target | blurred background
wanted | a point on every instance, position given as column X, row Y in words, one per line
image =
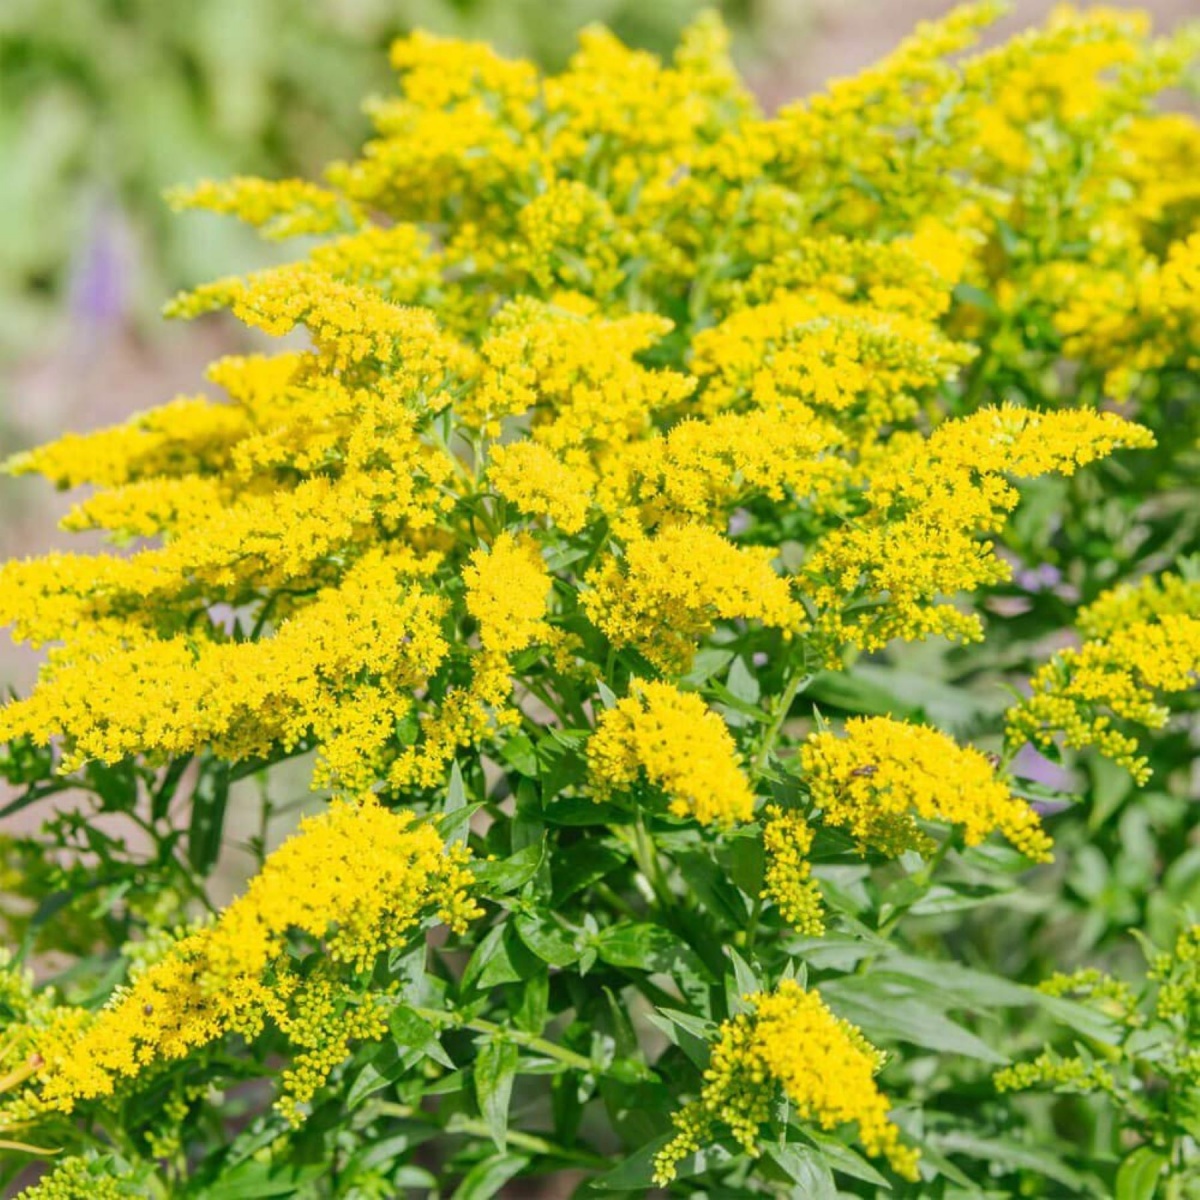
column 104, row 103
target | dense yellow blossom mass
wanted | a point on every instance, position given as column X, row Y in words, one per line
column 884, row 774
column 670, row 589
column 506, row 593
column 679, row 745
column 788, row 1040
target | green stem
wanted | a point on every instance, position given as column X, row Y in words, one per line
column 647, row 858
column 783, row 705
column 605, row 892
column 529, row 1040
column 752, row 928
column 530, row 1142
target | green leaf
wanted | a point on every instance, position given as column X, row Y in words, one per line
column 637, row 1171
column 851, row 693
column 518, row 752
column 486, row 1178
column 509, row 874
column 638, row 944
column 386, row 1063
column 742, row 682
column 584, row 863
column 1138, row 1176
column 745, row 980
column 416, row 1033
column 707, row 662
column 499, row 958
column 693, row 1035
column 495, row 1068
column 844, row 1159
column 455, row 827
column 808, row 1168
column 252, row 1180
column 581, row 810
column 549, row 941
column 1010, row 1155
column 742, row 708
column 957, row 984
column 530, row 1014
column 747, row 863
column 886, row 1012
column 712, row 887
column 456, row 792
column 634, row 1172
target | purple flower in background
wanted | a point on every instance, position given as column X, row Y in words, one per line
column 1031, row 764
column 1038, row 579
column 102, row 275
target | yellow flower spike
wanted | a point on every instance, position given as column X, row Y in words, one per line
column 576, row 375
column 507, row 590
column 930, row 501
column 883, row 774
column 351, row 325
column 106, row 697
column 186, row 435
column 679, row 745
column 809, row 349
column 788, row 882
column 1143, row 644
column 538, row 482
column 280, row 208
column 790, row 1041
column 368, row 874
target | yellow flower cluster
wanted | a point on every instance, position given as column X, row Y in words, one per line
column 884, row 774
column 787, row 881
column 670, row 589
column 609, row 367
column 1161, row 1012
column 1143, row 640
column 74, row 1179
column 280, row 209
column 358, row 876
column 1178, row 977
column 928, row 502
column 805, row 350
column 679, row 746
column 788, row 1039
column 506, row 593
column 321, row 1021
column 341, row 669
column 1049, row 1070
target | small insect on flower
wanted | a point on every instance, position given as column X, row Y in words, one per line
column 865, row 771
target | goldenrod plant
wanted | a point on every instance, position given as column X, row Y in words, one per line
column 631, row 545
